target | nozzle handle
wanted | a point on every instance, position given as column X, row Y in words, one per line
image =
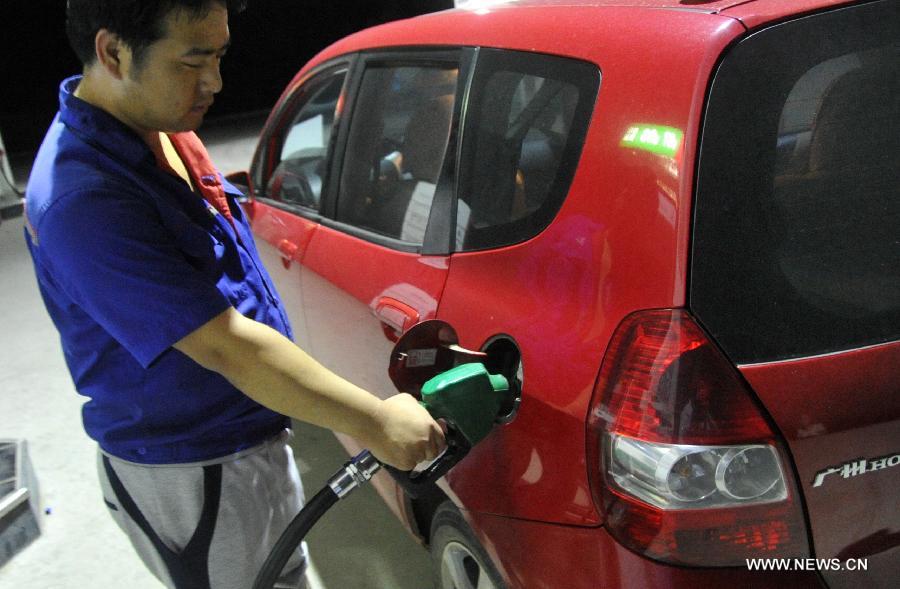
column 414, row 482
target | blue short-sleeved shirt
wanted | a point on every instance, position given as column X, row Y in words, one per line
column 129, row 260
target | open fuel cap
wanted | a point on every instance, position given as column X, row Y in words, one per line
column 424, row 351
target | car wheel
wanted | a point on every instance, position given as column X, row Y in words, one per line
column 458, row 559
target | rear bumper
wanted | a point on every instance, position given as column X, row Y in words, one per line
column 539, row 555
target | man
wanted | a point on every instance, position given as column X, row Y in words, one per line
column 168, row 321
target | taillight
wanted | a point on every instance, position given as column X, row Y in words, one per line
column 682, row 460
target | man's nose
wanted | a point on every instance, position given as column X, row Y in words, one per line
column 212, row 78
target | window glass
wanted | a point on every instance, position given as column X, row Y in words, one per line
column 395, row 150
column 797, row 230
column 529, row 116
column 299, row 172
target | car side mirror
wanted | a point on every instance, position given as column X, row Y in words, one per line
column 241, row 181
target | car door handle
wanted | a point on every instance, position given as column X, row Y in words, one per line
column 395, row 316
column 288, row 251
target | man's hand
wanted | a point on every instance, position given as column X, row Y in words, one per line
column 406, row 434
column 270, row 369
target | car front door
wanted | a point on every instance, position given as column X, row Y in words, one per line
column 377, row 263
column 290, row 177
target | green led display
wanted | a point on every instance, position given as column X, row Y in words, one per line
column 653, row 138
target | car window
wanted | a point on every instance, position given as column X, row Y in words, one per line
column 797, row 232
column 298, row 162
column 396, row 148
column 528, row 118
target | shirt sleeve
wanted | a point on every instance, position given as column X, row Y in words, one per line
column 110, row 253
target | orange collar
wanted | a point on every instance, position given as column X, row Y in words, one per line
column 201, row 170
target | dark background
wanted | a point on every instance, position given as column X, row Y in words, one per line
column 272, row 39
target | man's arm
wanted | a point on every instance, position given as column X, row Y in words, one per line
column 273, row 371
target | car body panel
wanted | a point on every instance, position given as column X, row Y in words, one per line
column 282, row 239
column 837, row 410
column 586, row 272
column 353, row 291
column 709, row 6
column 828, row 377
column 671, row 95
column 589, row 33
column 760, row 12
column 607, row 260
column 620, row 243
column 540, row 555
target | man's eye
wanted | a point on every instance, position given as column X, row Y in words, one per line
column 192, row 65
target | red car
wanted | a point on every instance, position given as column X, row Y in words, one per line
column 674, row 225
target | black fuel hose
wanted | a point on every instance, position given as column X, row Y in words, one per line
column 9, row 181
column 11, row 184
column 292, row 537
column 356, row 472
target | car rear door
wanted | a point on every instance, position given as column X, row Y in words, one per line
column 525, row 278
column 796, row 264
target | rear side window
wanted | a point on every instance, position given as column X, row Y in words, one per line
column 796, row 247
column 527, row 118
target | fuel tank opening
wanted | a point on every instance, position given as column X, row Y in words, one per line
column 504, row 357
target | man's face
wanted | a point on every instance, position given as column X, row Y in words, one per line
column 173, row 86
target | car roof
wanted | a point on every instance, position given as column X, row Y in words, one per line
column 750, row 12
column 516, row 23
column 707, row 6
column 699, row 5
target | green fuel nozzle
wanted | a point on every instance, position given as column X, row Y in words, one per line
column 470, row 400
column 468, row 397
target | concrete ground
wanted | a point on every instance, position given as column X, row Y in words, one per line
column 357, row 545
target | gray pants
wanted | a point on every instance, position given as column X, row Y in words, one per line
column 208, row 524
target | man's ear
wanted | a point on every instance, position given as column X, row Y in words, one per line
column 111, row 53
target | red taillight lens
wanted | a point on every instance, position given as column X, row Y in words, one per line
column 682, row 460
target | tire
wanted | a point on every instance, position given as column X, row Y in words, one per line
column 458, row 560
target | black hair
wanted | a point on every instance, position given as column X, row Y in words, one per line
column 139, row 23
